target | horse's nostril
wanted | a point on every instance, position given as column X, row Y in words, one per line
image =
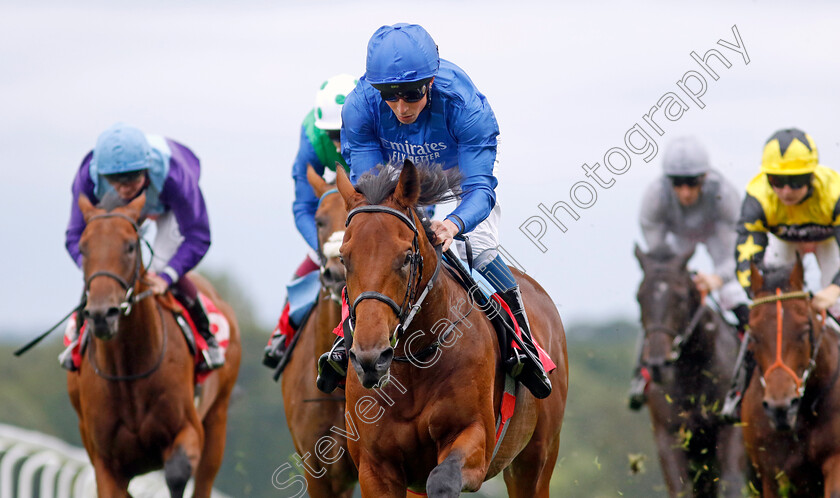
column 86, row 313
column 112, row 312
column 765, row 405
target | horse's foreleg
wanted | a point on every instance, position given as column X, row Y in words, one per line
column 376, row 479
column 461, row 466
column 107, row 484
column 215, row 424
column 733, row 461
column 181, row 459
column 529, row 475
column 831, row 476
column 673, row 461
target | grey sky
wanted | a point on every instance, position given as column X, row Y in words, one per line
column 233, row 80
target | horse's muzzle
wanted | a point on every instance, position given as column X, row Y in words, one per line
column 371, row 366
column 782, row 414
column 103, row 321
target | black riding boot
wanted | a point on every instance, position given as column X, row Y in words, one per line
column 744, row 365
column 636, row 398
column 332, row 367
column 521, row 367
column 276, row 349
column 213, row 357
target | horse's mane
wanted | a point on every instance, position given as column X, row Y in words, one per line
column 437, row 185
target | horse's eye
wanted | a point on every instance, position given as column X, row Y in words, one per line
column 407, row 260
column 319, row 223
column 130, row 247
column 341, row 258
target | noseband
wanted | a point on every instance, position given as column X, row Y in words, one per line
column 405, row 312
column 130, row 298
column 680, row 339
column 815, row 345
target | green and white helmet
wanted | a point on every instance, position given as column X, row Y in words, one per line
column 329, row 100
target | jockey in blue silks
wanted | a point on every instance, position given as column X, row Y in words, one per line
column 412, row 105
column 127, row 162
column 319, row 147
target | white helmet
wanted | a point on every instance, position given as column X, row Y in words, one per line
column 685, row 156
column 329, row 100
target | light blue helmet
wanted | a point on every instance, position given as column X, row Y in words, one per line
column 121, row 149
column 402, row 53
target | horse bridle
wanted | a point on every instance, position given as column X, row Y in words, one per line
column 680, row 338
column 127, row 304
column 335, row 297
column 815, row 344
column 130, row 298
column 405, row 312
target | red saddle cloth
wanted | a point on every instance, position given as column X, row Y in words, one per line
column 219, row 327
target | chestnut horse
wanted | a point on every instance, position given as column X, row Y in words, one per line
column 430, row 424
column 311, row 414
column 791, row 409
column 134, row 392
column 689, row 351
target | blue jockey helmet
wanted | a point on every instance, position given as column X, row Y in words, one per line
column 121, row 149
column 402, row 53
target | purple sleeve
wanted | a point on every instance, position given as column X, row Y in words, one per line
column 183, row 197
column 82, row 184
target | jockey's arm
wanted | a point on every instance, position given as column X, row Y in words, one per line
column 476, row 131
column 305, row 203
column 654, row 214
column 183, row 196
column 751, row 240
column 82, row 184
column 826, row 297
column 359, row 143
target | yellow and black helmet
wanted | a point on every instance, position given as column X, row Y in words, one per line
column 789, row 152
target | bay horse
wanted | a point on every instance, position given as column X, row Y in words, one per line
column 791, row 408
column 311, row 414
column 430, row 424
column 689, row 352
column 134, row 391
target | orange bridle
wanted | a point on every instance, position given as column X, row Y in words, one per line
column 779, row 363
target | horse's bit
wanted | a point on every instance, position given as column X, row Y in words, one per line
column 405, row 312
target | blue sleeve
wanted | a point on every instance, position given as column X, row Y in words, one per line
column 183, row 196
column 305, row 203
column 475, row 128
column 82, row 184
column 359, row 144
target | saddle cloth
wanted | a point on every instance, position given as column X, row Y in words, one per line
column 219, row 327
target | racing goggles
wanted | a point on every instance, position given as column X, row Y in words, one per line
column 412, row 95
column 126, row 178
column 688, row 181
column 792, row 181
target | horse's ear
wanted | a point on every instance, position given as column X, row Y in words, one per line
column 797, row 276
column 683, row 259
column 319, row 186
column 756, row 279
column 86, row 206
column 135, row 207
column 408, row 188
column 640, row 255
column 348, row 192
